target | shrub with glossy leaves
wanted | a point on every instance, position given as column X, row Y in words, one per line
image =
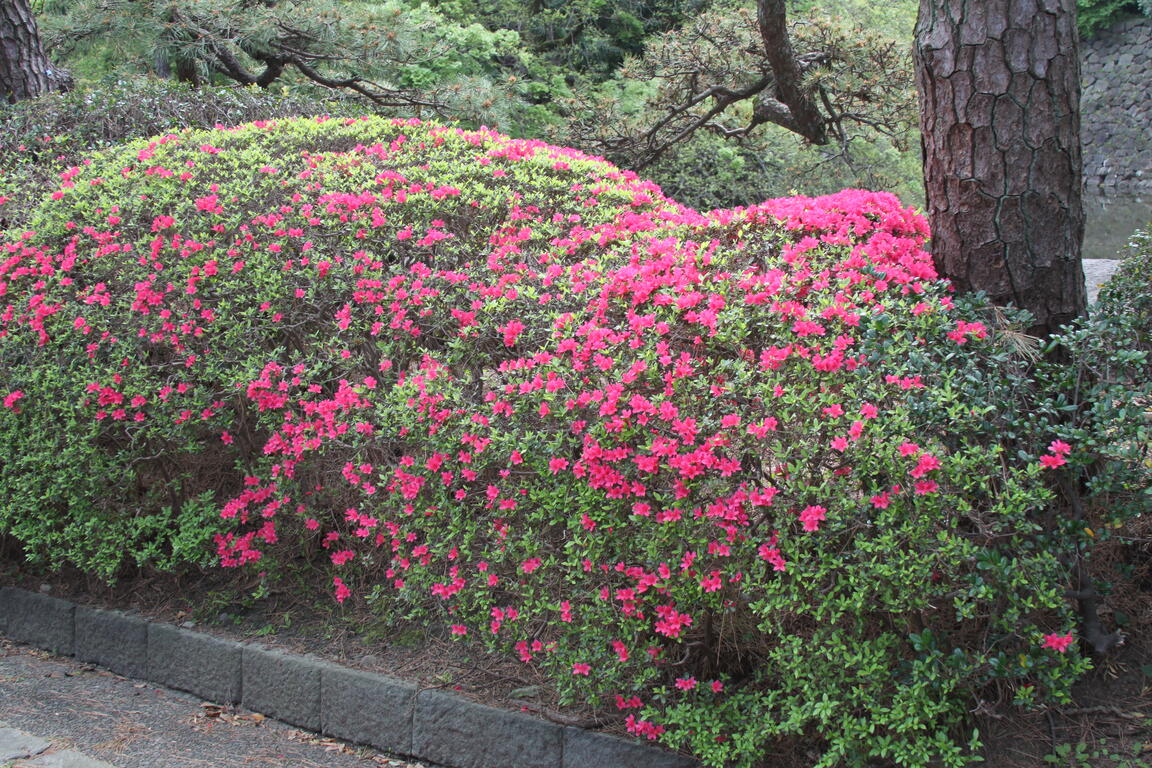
column 739, row 475
column 1129, row 293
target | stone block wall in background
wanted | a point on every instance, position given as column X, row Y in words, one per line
column 1116, row 108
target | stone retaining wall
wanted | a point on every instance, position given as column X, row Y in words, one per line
column 1116, row 107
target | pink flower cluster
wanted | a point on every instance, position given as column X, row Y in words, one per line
column 1058, row 451
column 551, row 403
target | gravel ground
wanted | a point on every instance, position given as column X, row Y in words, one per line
column 132, row 724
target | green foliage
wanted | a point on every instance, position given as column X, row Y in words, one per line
column 1095, row 15
column 697, row 79
column 1099, row 754
column 1128, row 294
column 894, row 19
column 392, row 53
column 751, row 472
column 114, row 111
column 41, row 138
column 586, row 38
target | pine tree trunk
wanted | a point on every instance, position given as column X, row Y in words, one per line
column 999, row 86
column 25, row 71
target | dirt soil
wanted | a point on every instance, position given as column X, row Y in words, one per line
column 1109, row 724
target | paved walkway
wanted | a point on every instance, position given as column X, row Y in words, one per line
column 59, row 713
column 21, row 749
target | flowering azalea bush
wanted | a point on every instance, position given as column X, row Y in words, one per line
column 729, row 474
column 39, row 138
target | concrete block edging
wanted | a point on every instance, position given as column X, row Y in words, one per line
column 376, row 710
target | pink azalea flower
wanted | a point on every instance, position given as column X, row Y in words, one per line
column 812, row 516
column 511, row 331
column 342, row 591
column 1058, row 643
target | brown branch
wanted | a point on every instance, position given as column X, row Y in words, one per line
column 230, row 65
column 273, row 67
column 767, row 110
column 804, row 116
column 382, row 96
column 725, row 97
column 1085, row 594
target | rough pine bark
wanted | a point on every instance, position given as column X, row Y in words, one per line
column 999, row 86
column 25, row 71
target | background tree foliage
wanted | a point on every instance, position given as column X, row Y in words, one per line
column 612, row 78
column 1094, row 15
column 391, row 54
column 650, row 85
column 588, row 38
column 711, row 76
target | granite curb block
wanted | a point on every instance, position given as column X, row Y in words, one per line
column 584, row 749
column 454, row 731
column 367, row 708
column 113, row 640
column 46, row 622
column 190, row 661
column 385, row 713
column 282, row 685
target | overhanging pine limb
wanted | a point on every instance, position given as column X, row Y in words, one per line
column 724, row 97
column 367, row 89
column 767, row 110
column 273, row 67
column 228, row 65
column 272, row 70
column 224, row 60
column 231, row 66
column 805, row 117
column 835, row 120
column 654, row 153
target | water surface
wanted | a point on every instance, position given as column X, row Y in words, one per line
column 1110, row 220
